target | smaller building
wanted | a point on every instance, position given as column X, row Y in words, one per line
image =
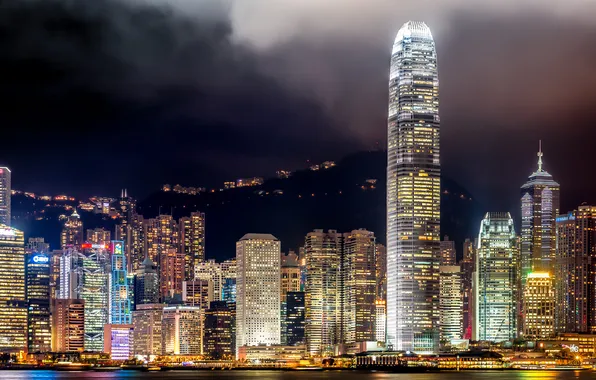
column 381, row 320
column 182, row 330
column 118, row 341
column 68, row 325
column 147, row 329
column 270, row 353
column 217, row 343
column 539, row 306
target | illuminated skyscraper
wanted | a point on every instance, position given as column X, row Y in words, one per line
column 381, row 272
column 539, row 209
column 497, row 291
column 171, row 273
column 147, row 329
column 295, row 318
column 197, row 293
column 120, row 311
column 322, row 251
column 72, row 232
column 575, row 293
column 258, row 259
column 468, row 265
column 68, row 325
column 37, row 274
column 358, row 287
column 160, row 236
column 539, row 306
column 290, row 282
column 451, row 303
column 5, row 194
column 413, row 192
column 381, row 320
column 192, row 242
column 13, row 305
column 146, row 284
column 98, row 236
column 217, row 343
column 182, row 330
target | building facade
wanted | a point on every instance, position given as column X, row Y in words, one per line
column 496, row 277
column 13, row 304
column 413, row 192
column 146, row 284
column 68, row 325
column 192, row 242
column 147, row 329
column 39, row 325
column 295, row 318
column 448, row 252
column 258, row 260
column 539, row 306
column 450, row 303
column 120, row 308
column 322, row 251
column 182, row 330
column 5, row 195
column 118, row 341
column 217, row 343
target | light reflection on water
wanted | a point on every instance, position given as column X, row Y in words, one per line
column 294, row 375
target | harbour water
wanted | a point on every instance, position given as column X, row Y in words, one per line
column 296, row 375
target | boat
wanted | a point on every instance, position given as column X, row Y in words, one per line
column 153, row 368
column 308, row 368
column 106, row 368
column 568, row 368
column 68, row 366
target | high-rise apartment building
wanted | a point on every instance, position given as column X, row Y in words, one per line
column 146, row 284
column 72, row 232
column 539, row 209
column 120, row 310
column 358, row 287
column 132, row 232
column 539, row 306
column 322, row 252
column 413, row 192
column 171, row 273
column 258, row 260
column 448, row 252
column 5, row 195
column 68, row 325
column 496, row 276
column 147, row 329
column 161, row 235
column 99, row 236
column 192, row 242
column 13, row 304
column 574, row 271
column 39, row 325
column 450, row 303
column 182, row 330
column 217, row 343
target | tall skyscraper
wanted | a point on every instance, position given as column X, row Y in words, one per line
column 451, row 303
column 68, row 325
column 5, row 194
column 413, row 192
column 192, row 242
column 290, row 282
column 575, row 293
column 381, row 269
column 13, row 305
column 146, row 284
column 217, row 343
column 358, row 287
column 539, row 209
column 322, row 251
column 258, row 259
column 147, row 329
column 39, row 326
column 171, row 273
column 295, row 318
column 468, row 265
column 497, row 289
column 72, row 232
column 539, row 306
column 121, row 310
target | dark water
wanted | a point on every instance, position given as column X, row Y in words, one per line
column 293, row 375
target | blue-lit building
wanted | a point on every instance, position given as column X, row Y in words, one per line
column 37, row 288
column 120, row 310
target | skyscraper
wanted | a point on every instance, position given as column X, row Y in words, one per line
column 182, row 330
column 290, row 282
column 322, row 251
column 381, row 272
column 468, row 265
column 171, row 273
column 451, row 303
column 146, row 284
column 497, row 289
column 413, row 192
column 192, row 242
column 539, row 209
column 37, row 275
column 447, row 252
column 147, row 329
column 68, row 325
column 120, row 311
column 72, row 232
column 539, row 306
column 217, row 343
column 5, row 194
column 13, row 305
column 295, row 318
column 98, row 236
column 258, row 259
column 358, row 287
column 575, row 293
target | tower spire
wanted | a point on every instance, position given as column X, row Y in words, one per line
column 540, row 155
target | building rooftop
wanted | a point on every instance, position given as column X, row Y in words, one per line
column 259, row 237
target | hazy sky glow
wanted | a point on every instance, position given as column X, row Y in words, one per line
column 185, row 84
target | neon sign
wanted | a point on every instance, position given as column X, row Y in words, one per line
column 41, row 259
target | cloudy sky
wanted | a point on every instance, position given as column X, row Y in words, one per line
column 99, row 95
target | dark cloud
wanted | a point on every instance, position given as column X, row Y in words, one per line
column 132, row 94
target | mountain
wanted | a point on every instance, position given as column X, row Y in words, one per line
column 337, row 198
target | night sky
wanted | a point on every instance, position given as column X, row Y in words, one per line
column 102, row 95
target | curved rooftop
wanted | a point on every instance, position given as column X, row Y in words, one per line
column 416, row 29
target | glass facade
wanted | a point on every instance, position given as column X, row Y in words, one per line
column 13, row 305
column 192, row 242
column 295, row 318
column 497, row 292
column 539, row 306
column 451, row 303
column 38, row 301
column 217, row 343
column 120, row 311
column 413, row 192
